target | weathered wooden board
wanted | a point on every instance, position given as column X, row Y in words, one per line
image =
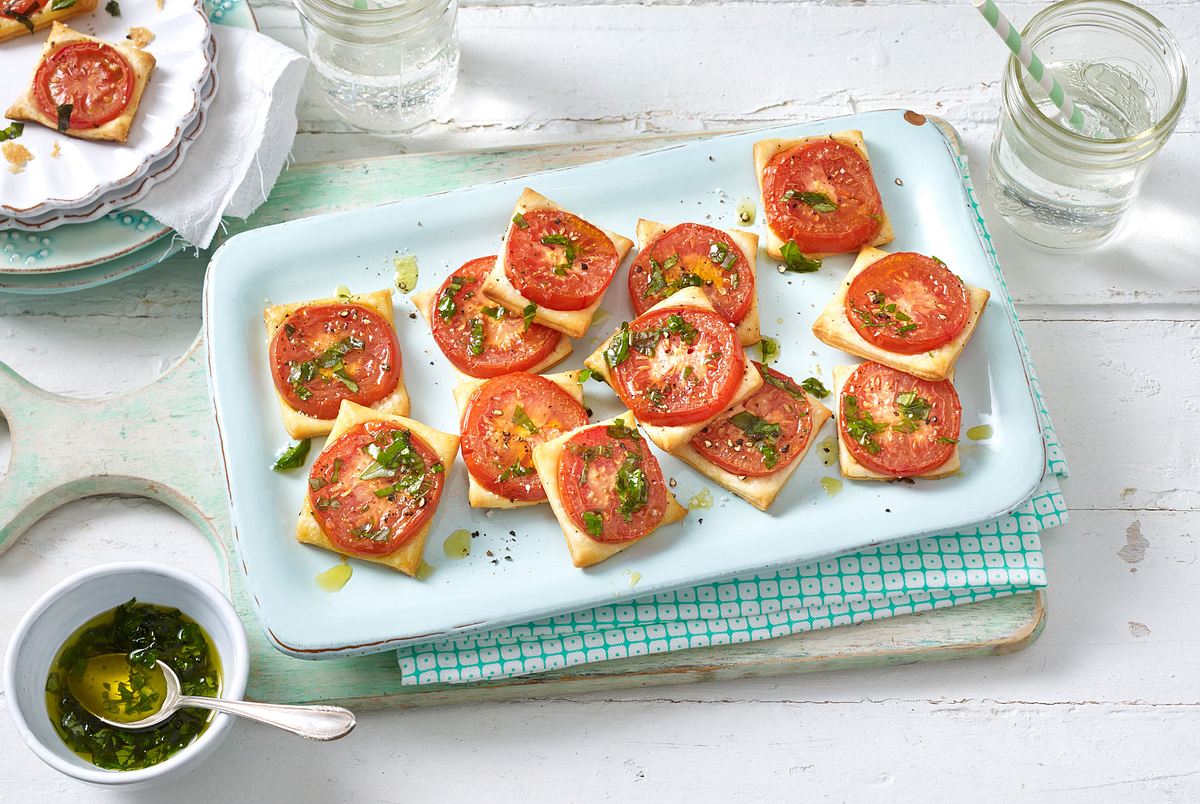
column 160, row 442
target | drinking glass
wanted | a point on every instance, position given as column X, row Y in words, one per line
column 1066, row 189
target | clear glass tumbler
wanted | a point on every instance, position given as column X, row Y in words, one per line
column 386, row 66
column 1067, row 189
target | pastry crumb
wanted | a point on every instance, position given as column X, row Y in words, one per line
column 140, row 36
column 56, row 151
column 17, row 156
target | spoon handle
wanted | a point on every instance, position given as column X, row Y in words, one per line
column 318, row 722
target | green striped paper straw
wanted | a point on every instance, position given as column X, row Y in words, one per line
column 1030, row 61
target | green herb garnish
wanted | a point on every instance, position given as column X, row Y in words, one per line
column 12, row 131
column 815, row 387
column 475, row 341
column 113, row 8
column 494, row 312
column 721, row 254
column 593, row 523
column 293, row 456
column 518, row 469
column 64, row 116
column 618, row 430
column 520, row 221
column 795, row 261
column 583, row 375
column 632, row 487
column 617, row 351
column 527, row 314
column 21, row 18
column 859, row 424
column 913, row 410
column 768, row 348
column 521, row 419
column 446, row 306
column 818, row 201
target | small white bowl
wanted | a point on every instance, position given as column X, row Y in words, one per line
column 63, row 609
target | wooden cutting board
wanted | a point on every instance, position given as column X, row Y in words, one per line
column 161, row 442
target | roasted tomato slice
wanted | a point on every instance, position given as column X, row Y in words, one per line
column 504, row 420
column 822, row 195
column 558, row 260
column 908, row 303
column 481, row 338
column 764, row 433
column 676, row 365
column 374, row 488
column 324, row 353
column 693, row 255
column 897, row 424
column 611, row 484
column 94, row 78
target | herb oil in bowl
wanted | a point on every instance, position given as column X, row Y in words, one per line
column 110, row 662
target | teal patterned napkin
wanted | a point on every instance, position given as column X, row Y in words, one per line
column 993, row 559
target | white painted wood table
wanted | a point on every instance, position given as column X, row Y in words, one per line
column 1105, row 706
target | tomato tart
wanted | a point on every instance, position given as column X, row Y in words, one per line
column 324, row 351
column 893, row 425
column 605, row 487
column 554, row 265
column 373, row 491
column 676, row 366
column 482, row 338
column 20, row 17
column 904, row 310
column 85, row 87
column 721, row 262
column 819, row 193
column 501, row 421
column 753, row 448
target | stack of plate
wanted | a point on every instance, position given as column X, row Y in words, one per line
column 67, row 221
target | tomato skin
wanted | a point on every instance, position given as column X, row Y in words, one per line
column 305, row 336
column 840, row 172
column 530, row 263
column 730, row 290
column 924, row 291
column 21, row 8
column 340, row 494
column 680, row 382
column 728, row 446
column 92, row 76
column 874, row 389
column 493, row 443
column 508, row 346
column 587, row 477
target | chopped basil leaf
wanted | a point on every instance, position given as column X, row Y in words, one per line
column 341, row 376
column 593, row 523
column 815, row 387
column 446, row 306
column 12, row 131
column 618, row 430
column 818, row 201
column 795, row 261
column 938, row 261
column 520, row 221
column 632, row 486
column 568, row 251
column 656, row 397
column 527, row 314
column 755, row 428
column 494, row 312
column 583, row 375
column 64, row 115
column 292, row 457
column 782, row 383
column 676, row 325
column 394, row 457
column 946, row 440
column 113, row 8
column 336, row 474
column 475, row 340
column 518, row 469
column 913, row 410
column 21, row 18
column 722, row 255
column 859, row 424
column 617, row 351
column 521, row 419
column 688, row 371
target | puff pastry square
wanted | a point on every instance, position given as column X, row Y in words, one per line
column 43, row 17
column 572, row 323
column 301, row 425
column 832, row 327
column 671, row 438
column 748, row 329
column 25, row 107
column 408, row 558
column 758, row 491
column 477, row 495
column 764, row 150
column 586, row 551
column 854, row 470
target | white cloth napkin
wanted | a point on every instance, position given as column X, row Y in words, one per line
column 251, row 123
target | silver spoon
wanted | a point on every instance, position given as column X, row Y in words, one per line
column 317, row 722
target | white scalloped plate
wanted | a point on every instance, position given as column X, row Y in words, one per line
column 85, row 170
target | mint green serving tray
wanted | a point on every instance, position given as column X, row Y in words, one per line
column 175, row 459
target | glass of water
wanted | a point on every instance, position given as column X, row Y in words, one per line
column 1067, row 189
column 386, row 66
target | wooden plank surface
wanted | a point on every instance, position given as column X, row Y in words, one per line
column 1104, row 706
